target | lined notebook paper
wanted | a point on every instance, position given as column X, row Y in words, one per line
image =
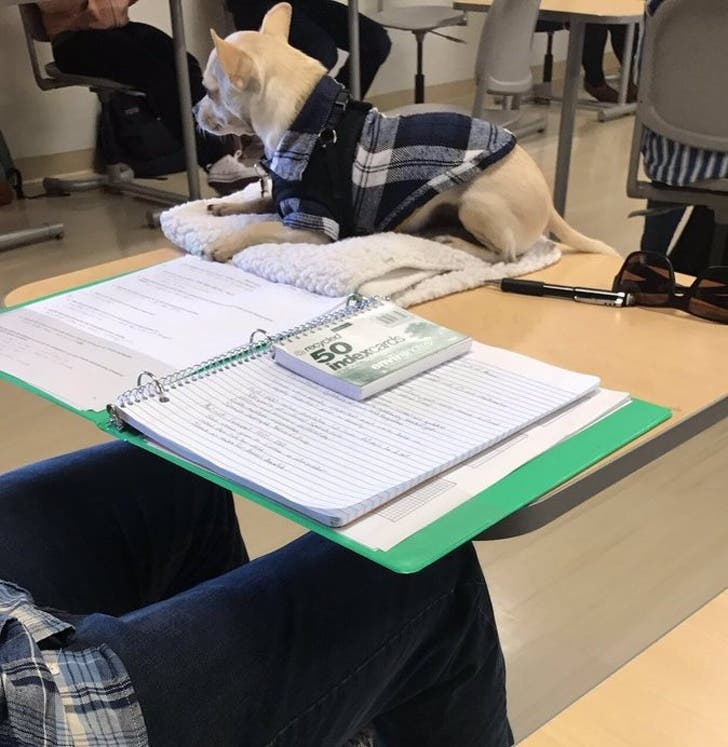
column 335, row 459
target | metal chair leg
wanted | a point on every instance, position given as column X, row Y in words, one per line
column 119, row 179
column 419, row 75
column 542, row 90
column 25, row 236
column 55, row 186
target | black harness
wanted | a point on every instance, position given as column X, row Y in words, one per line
column 327, row 178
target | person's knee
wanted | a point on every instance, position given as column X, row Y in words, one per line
column 311, row 39
column 376, row 45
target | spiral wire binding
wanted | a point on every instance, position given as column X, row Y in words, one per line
column 259, row 345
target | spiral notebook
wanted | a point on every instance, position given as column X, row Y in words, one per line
column 329, row 457
column 69, row 349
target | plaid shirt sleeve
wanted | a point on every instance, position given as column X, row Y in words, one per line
column 58, row 698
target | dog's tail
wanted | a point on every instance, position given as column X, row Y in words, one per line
column 575, row 240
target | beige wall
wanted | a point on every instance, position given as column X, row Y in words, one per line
column 39, row 122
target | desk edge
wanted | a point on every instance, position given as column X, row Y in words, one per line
column 540, row 513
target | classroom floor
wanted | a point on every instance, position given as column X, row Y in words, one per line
column 574, row 600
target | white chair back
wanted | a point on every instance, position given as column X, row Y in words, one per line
column 503, row 63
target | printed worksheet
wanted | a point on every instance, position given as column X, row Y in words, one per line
column 87, row 346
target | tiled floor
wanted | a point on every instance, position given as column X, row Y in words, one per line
column 574, row 600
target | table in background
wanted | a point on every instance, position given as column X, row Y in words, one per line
column 577, row 13
column 660, row 355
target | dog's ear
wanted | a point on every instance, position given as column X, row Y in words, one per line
column 236, row 64
column 277, row 21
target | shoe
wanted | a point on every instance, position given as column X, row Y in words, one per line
column 230, row 174
column 603, row 92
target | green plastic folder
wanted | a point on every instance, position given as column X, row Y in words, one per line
column 521, row 487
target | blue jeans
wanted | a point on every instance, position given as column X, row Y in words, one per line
column 660, row 227
column 304, row 646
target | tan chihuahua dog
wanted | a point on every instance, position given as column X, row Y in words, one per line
column 257, row 83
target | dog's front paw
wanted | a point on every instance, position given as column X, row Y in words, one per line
column 225, row 253
column 225, row 208
column 226, row 248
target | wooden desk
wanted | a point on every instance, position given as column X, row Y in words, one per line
column 577, row 13
column 663, row 356
column 671, row 694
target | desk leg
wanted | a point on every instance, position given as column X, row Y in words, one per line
column 627, row 63
column 185, row 98
column 354, row 58
column 622, row 108
column 568, row 112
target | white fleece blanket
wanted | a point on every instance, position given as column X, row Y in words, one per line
column 409, row 269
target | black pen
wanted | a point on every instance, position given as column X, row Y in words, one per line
column 583, row 295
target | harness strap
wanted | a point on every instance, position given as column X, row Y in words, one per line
column 327, row 179
column 337, row 143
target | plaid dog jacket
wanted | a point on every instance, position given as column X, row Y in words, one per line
column 399, row 164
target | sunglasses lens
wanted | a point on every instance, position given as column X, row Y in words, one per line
column 648, row 277
column 710, row 295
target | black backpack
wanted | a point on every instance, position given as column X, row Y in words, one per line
column 10, row 178
column 130, row 132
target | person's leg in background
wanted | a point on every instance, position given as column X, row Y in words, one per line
column 319, row 28
column 618, row 39
column 592, row 60
column 374, row 41
column 304, row 646
column 141, row 56
column 692, row 250
column 661, row 222
column 305, row 34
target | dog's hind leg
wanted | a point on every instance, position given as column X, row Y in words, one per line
column 489, row 220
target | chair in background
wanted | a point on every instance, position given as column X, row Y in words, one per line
column 420, row 20
column 118, row 177
column 503, row 66
column 683, row 69
column 13, row 239
column 542, row 91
